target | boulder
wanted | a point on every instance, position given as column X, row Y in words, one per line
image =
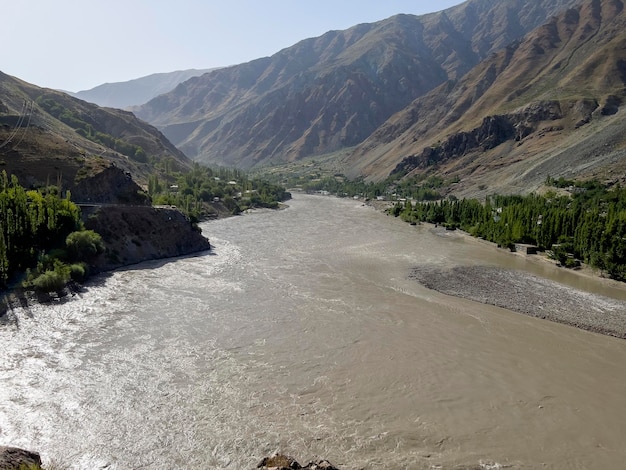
column 283, row 462
column 12, row 458
column 321, row 465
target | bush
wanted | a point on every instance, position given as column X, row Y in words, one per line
column 84, row 245
column 79, row 272
column 57, row 253
column 51, row 281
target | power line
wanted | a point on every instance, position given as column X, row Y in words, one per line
column 30, row 115
column 17, row 125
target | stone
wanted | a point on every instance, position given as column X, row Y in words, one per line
column 13, row 458
column 321, row 465
column 283, row 462
column 279, row 462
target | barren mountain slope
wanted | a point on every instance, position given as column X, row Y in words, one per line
column 549, row 104
column 49, row 137
column 331, row 92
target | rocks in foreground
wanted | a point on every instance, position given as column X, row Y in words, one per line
column 283, row 462
column 12, row 458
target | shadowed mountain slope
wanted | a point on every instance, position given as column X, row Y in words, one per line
column 48, row 137
column 549, row 104
column 329, row 93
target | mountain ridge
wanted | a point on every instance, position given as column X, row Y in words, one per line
column 564, row 76
column 48, row 137
column 135, row 92
column 331, row 92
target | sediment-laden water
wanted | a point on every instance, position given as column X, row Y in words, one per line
column 302, row 332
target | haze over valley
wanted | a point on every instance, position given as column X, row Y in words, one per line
column 176, row 292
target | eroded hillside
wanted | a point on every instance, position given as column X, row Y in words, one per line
column 48, row 137
column 549, row 104
column 329, row 93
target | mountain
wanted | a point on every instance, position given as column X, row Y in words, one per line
column 548, row 104
column 135, row 92
column 332, row 92
column 48, row 137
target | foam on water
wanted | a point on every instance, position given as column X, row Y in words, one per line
column 302, row 333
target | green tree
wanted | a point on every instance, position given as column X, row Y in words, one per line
column 84, row 245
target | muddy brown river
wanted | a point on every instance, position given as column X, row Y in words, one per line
column 302, row 332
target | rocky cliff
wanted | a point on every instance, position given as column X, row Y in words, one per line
column 110, row 186
column 548, row 104
column 331, row 92
column 13, row 458
column 114, row 206
column 133, row 234
column 493, row 131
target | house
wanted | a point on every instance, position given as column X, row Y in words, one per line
column 525, row 249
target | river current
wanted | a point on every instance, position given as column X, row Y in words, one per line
column 302, row 333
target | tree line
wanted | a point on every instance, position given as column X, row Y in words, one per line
column 42, row 239
column 194, row 191
column 589, row 224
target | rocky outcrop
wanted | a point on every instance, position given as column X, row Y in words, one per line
column 133, row 234
column 283, row 462
column 111, row 186
column 13, row 458
column 493, row 131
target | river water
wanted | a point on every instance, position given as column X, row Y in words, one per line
column 301, row 332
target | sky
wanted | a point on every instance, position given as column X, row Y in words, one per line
column 75, row 45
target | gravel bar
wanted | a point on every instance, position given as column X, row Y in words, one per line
column 531, row 295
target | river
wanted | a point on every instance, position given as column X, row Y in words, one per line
column 301, row 332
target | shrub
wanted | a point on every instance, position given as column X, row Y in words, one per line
column 51, row 281
column 78, row 272
column 84, row 245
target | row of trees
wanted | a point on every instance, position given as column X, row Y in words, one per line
column 340, row 186
column 193, row 191
column 590, row 224
column 420, row 189
column 41, row 237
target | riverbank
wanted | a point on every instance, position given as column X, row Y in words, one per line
column 523, row 292
column 527, row 294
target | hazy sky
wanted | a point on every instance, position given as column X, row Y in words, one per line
column 78, row 44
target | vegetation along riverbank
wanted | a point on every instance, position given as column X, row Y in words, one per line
column 48, row 243
column 585, row 223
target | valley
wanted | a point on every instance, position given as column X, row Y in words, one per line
column 376, row 338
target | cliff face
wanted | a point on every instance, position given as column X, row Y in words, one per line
column 13, row 458
column 493, row 131
column 133, row 231
column 110, row 186
column 548, row 104
column 133, row 234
